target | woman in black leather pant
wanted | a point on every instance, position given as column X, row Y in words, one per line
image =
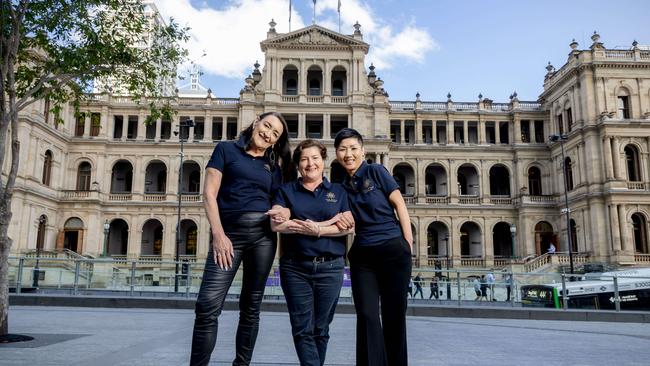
column 241, row 178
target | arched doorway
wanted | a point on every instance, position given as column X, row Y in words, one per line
column 502, row 240
column 339, row 84
column 499, row 181
column 152, row 238
column 122, row 177
column 574, row 235
column 437, row 238
column 191, row 177
column 155, row 178
column 73, row 234
column 640, row 227
column 468, row 180
column 118, row 237
column 470, row 240
column 405, row 178
column 40, row 234
column 189, row 238
column 544, row 236
column 83, row 176
column 435, row 180
column 568, row 173
column 290, row 80
column 534, row 181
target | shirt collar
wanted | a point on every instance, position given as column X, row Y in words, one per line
column 358, row 174
column 326, row 184
column 242, row 142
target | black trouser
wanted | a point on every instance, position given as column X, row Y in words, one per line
column 380, row 274
column 254, row 245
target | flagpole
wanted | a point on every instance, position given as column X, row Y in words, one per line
column 339, row 11
column 313, row 19
column 289, row 15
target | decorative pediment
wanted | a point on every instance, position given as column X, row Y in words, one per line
column 313, row 36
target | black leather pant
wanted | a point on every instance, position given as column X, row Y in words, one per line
column 254, row 245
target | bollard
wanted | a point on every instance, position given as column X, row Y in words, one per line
column 19, row 278
column 565, row 298
column 617, row 298
column 132, row 277
column 75, row 287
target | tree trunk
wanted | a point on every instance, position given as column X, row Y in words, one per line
column 5, row 246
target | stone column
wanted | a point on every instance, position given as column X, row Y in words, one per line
column 614, row 222
column 141, row 128
column 207, row 128
column 617, row 160
column 327, row 126
column 302, row 122
column 497, row 133
column 125, row 127
column 158, row 129
column 583, row 177
column 465, row 132
column 86, row 125
column 450, row 131
column 402, row 138
column 418, row 130
column 622, row 226
column 607, row 148
column 517, row 129
column 481, row 131
column 174, row 127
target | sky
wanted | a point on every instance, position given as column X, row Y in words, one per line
column 434, row 47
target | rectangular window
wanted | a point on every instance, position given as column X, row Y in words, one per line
column 490, row 133
column 427, row 132
column 165, row 129
column 314, row 125
column 560, row 124
column 504, row 132
column 80, row 125
column 337, row 123
column 150, row 131
column 409, row 132
column 441, row 132
column 569, row 118
column 199, row 127
column 217, row 128
column 118, row 122
column 472, row 132
column 525, row 131
column 292, row 124
column 539, row 131
column 95, row 124
column 459, row 133
column 231, row 128
column 395, row 131
column 185, row 131
column 623, row 105
column 46, row 110
column 132, row 132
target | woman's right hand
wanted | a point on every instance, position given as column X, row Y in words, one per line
column 222, row 251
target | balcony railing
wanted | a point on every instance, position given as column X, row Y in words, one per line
column 120, row 197
column 409, row 200
column 315, row 99
column 340, row 100
column 637, row 186
column 70, row 195
column 501, row 200
column 154, row 197
column 469, row 200
column 546, row 198
column 190, row 197
column 290, row 99
column 642, row 258
column 472, row 262
column 150, row 258
column 437, row 200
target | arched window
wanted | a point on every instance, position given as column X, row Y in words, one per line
column 574, row 235
column 83, row 176
column 623, row 104
column 632, row 160
column 534, row 181
column 568, row 173
column 47, row 168
column 640, row 227
column 499, row 181
column 122, row 177
column 290, row 80
column 40, row 235
column 314, row 81
column 338, row 81
column 544, row 237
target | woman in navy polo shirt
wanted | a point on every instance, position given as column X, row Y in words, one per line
column 241, row 178
column 311, row 266
column 380, row 257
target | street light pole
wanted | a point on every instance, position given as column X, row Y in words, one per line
column 107, row 228
column 447, row 265
column 186, row 123
column 513, row 233
column 561, row 139
column 39, row 243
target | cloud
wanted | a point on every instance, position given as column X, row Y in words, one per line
column 230, row 35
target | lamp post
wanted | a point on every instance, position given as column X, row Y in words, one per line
column 107, row 228
column 561, row 139
column 187, row 124
column 513, row 233
column 39, row 243
column 447, row 265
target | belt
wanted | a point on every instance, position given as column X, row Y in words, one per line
column 315, row 259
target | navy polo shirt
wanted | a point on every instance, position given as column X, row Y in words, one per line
column 248, row 183
column 327, row 200
column 368, row 190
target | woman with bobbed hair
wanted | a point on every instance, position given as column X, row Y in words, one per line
column 380, row 257
column 241, row 179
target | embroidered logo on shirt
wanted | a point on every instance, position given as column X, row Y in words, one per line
column 331, row 197
column 367, row 186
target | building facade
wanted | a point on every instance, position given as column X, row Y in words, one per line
column 482, row 181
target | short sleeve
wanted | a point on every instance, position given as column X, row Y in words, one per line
column 385, row 180
column 218, row 158
column 280, row 197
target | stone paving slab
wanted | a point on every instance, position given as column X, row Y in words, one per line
column 139, row 337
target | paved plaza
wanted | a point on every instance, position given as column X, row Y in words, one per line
column 102, row 336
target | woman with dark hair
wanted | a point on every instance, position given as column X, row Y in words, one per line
column 241, row 179
column 311, row 266
column 380, row 257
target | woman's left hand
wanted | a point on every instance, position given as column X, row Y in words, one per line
column 279, row 214
column 306, row 227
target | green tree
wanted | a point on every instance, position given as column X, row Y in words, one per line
column 57, row 49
